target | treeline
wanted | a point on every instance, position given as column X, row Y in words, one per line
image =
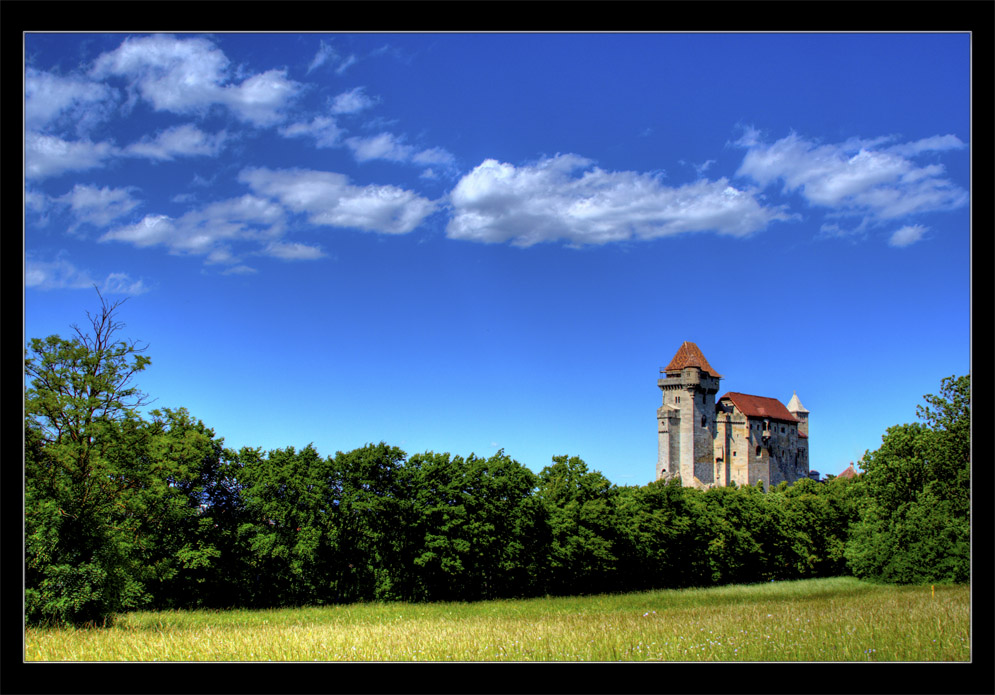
column 125, row 512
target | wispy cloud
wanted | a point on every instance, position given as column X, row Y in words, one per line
column 121, row 283
column 98, row 206
column 906, row 236
column 858, row 177
column 57, row 274
column 183, row 141
column 207, row 230
column 324, row 54
column 192, row 74
column 382, row 146
column 546, row 201
column 346, row 63
column 323, row 129
column 49, row 155
column 328, row 198
column 293, row 251
column 61, row 273
column 49, row 99
column 327, row 54
column 388, row 147
column 353, row 101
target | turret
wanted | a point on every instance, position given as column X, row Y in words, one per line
column 796, row 408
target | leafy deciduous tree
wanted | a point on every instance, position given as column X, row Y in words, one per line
column 80, row 484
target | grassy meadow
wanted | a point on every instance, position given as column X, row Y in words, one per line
column 836, row 619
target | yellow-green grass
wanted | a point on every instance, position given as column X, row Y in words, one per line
column 838, row 619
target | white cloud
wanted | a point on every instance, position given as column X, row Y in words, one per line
column 50, row 155
column 435, row 155
column 98, row 206
column 382, row 146
column 61, row 273
column 121, row 283
column 324, row 54
column 48, row 96
column 184, row 140
column 329, row 199
column 388, row 147
column 700, row 170
column 353, row 101
column 292, row 251
column 937, row 143
column 324, row 130
column 178, row 75
column 498, row 202
column 47, row 155
column 35, row 200
column 907, row 235
column 149, row 231
column 346, row 63
column 254, row 221
column 262, row 98
column 205, row 231
column 239, row 270
column 856, row 177
column 57, row 274
column 190, row 75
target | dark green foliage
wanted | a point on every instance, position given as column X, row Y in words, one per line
column 367, row 492
column 914, row 522
column 474, row 526
column 818, row 518
column 81, row 484
column 579, row 506
column 654, row 523
column 123, row 512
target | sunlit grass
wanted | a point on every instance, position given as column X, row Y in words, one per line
column 839, row 619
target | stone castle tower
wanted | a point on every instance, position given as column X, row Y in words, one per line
column 739, row 438
column 687, row 417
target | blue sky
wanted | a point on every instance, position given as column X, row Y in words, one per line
column 466, row 242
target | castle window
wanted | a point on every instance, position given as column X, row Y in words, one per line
column 759, row 451
column 704, row 421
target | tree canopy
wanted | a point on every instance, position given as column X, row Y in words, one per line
column 125, row 510
column 914, row 523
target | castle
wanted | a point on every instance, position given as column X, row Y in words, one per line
column 738, row 439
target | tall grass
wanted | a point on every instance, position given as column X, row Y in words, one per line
column 838, row 619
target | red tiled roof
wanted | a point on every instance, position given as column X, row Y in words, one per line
column 850, row 472
column 760, row 406
column 688, row 355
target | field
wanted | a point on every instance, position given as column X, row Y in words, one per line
column 837, row 619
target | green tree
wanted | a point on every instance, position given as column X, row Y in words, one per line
column 505, row 523
column 371, row 509
column 287, row 524
column 914, row 522
column 579, row 507
column 439, row 528
column 725, row 520
column 817, row 522
column 653, row 522
column 229, row 582
column 81, row 419
column 177, row 532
